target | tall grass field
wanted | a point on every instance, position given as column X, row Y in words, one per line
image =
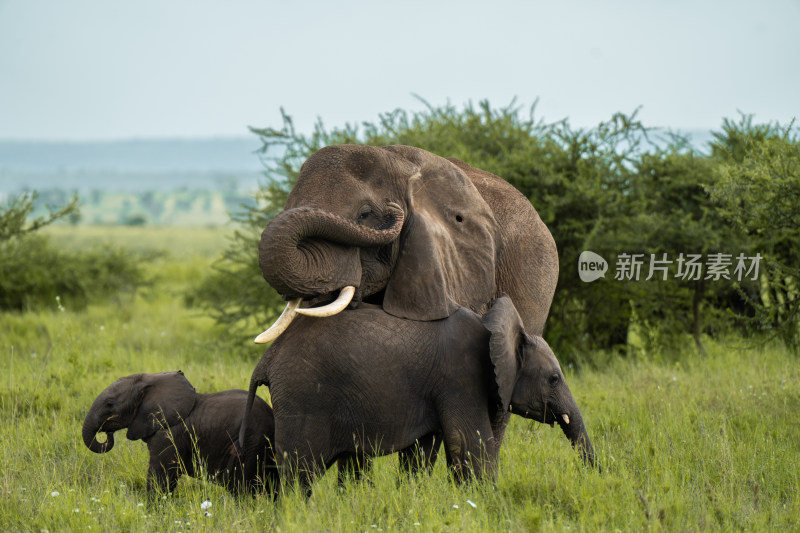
column 686, row 442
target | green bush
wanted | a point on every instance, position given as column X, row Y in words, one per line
column 235, row 294
column 35, row 273
column 758, row 188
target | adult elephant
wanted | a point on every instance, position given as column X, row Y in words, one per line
column 403, row 228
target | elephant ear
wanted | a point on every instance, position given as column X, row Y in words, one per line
column 163, row 400
column 448, row 246
column 507, row 336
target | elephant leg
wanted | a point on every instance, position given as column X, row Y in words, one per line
column 421, row 455
column 235, row 476
column 470, row 450
column 353, row 467
column 301, row 470
column 269, row 477
column 162, row 478
column 165, row 467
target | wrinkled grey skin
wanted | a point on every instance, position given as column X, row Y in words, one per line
column 415, row 233
column 183, row 428
column 365, row 383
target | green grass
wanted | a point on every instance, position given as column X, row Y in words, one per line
column 686, row 443
column 198, row 243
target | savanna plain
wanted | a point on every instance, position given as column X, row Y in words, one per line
column 686, row 442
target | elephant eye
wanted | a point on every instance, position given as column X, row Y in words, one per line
column 554, row 380
column 363, row 215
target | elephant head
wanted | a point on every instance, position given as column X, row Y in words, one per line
column 529, row 379
column 395, row 226
column 143, row 403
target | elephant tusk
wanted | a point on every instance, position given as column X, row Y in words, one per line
column 292, row 309
column 565, row 417
column 345, row 295
column 281, row 324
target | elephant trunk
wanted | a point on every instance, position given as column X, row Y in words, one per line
column 575, row 430
column 306, row 252
column 90, row 429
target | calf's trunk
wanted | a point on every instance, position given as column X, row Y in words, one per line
column 90, row 429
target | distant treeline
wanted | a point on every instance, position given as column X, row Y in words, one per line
column 182, row 207
column 716, row 231
column 158, row 181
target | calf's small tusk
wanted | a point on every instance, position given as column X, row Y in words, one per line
column 280, row 325
column 345, row 295
column 565, row 417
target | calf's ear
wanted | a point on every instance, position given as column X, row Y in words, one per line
column 507, row 334
column 163, row 400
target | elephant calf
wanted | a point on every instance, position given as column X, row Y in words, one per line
column 366, row 383
column 184, row 429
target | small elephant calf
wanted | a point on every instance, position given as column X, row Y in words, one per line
column 183, row 429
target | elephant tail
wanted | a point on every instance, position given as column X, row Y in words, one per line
column 239, row 445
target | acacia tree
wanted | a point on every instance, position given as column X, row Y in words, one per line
column 758, row 190
column 14, row 216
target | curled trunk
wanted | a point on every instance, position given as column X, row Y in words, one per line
column 90, row 429
column 306, row 252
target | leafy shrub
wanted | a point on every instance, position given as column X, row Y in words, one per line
column 35, row 273
column 14, row 216
column 235, row 294
column 758, row 189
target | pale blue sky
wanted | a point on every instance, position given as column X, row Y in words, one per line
column 103, row 69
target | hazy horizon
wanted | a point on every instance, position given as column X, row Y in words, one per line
column 154, row 155
column 162, row 155
column 148, row 164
